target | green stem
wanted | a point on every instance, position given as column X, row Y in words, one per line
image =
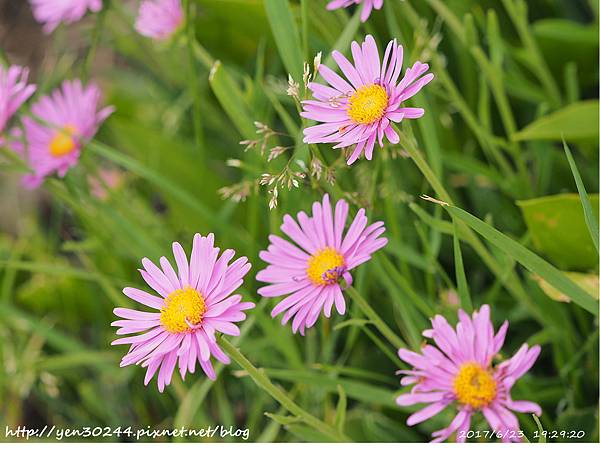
column 96, row 35
column 197, row 113
column 262, row 380
column 304, row 15
column 410, row 146
column 512, row 283
column 518, row 14
column 202, row 55
column 3, row 58
column 383, row 328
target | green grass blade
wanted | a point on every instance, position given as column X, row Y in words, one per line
column 343, row 42
column 590, row 218
column 286, row 36
column 340, row 411
column 231, row 99
column 168, row 185
column 527, row 258
column 461, row 279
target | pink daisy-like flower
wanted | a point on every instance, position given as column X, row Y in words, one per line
column 361, row 111
column 459, row 371
column 193, row 304
column 63, row 122
column 14, row 91
column 52, row 12
column 310, row 272
column 368, row 6
column 159, row 19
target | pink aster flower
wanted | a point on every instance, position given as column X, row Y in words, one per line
column 14, row 91
column 360, row 111
column 159, row 19
column 63, row 122
column 459, row 372
column 309, row 273
column 368, row 6
column 52, row 12
column 192, row 305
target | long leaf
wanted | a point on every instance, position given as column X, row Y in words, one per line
column 231, row 99
column 528, row 259
column 576, row 121
column 590, row 217
column 461, row 279
column 168, row 185
column 286, row 35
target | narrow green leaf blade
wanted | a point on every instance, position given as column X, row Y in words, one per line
column 558, row 230
column 230, row 97
column 590, row 217
column 340, row 411
column 527, row 258
column 461, row 279
column 286, row 35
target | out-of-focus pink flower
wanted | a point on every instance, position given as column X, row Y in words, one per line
column 51, row 13
column 104, row 182
column 63, row 122
column 14, row 91
column 159, row 19
column 309, row 273
column 368, row 6
column 458, row 371
column 360, row 111
column 192, row 305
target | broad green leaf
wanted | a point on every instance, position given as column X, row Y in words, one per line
column 558, row 230
column 528, row 259
column 286, row 36
column 576, row 121
column 587, row 281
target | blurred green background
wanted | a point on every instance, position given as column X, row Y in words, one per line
column 512, row 79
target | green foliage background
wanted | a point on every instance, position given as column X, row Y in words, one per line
column 512, row 79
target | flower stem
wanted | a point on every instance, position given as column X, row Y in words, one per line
column 394, row 339
column 196, row 111
column 417, row 157
column 96, row 37
column 263, row 381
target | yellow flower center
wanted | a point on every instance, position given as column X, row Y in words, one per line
column 474, row 386
column 182, row 308
column 325, row 267
column 368, row 104
column 63, row 142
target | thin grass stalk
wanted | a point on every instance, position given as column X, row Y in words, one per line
column 264, row 382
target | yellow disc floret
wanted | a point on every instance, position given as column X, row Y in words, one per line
column 63, row 142
column 474, row 386
column 368, row 104
column 325, row 266
column 182, row 308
